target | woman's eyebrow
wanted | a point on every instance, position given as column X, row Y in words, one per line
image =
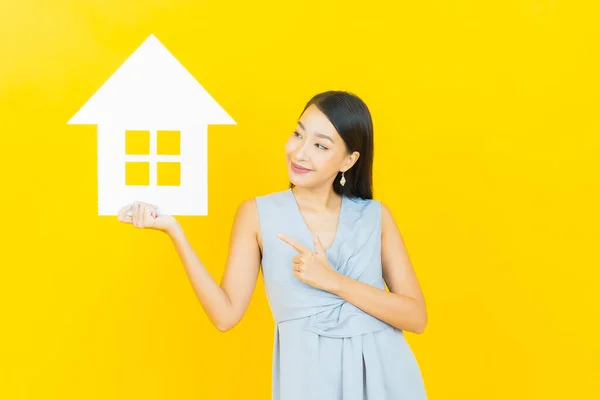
column 321, row 135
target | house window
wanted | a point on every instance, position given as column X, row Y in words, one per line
column 153, row 158
column 137, row 142
column 168, row 142
column 137, row 173
column 168, row 174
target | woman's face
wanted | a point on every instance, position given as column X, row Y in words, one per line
column 315, row 145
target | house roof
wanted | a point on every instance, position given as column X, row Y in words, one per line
column 151, row 90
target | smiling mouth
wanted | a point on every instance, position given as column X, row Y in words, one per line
column 296, row 166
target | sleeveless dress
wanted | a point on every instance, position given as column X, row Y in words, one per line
column 326, row 348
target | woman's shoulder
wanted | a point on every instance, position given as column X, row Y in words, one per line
column 364, row 204
column 274, row 194
column 253, row 204
column 270, row 199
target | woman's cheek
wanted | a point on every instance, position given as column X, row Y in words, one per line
column 289, row 147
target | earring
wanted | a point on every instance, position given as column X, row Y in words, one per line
column 343, row 180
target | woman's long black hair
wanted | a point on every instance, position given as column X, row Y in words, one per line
column 352, row 120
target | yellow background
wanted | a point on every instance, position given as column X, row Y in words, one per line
column 486, row 131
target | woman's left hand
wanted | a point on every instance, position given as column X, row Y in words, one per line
column 312, row 267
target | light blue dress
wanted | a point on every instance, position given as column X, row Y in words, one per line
column 325, row 347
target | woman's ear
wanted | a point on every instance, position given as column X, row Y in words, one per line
column 352, row 159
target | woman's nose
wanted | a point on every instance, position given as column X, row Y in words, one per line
column 300, row 151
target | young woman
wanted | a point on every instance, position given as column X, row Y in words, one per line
column 327, row 250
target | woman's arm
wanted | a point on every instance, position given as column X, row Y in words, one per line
column 225, row 304
column 404, row 305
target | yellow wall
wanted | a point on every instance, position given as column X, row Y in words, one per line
column 486, row 124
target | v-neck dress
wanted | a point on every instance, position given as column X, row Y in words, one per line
column 326, row 348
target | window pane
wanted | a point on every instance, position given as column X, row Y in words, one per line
column 137, row 173
column 168, row 174
column 169, row 142
column 137, row 142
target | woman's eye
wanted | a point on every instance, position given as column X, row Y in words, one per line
column 316, row 144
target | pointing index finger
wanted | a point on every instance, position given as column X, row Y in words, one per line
column 293, row 243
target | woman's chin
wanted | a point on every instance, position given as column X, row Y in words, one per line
column 297, row 179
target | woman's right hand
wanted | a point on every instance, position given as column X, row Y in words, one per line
column 144, row 215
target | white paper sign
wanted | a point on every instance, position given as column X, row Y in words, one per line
column 151, row 92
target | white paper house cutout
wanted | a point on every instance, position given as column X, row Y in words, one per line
column 152, row 91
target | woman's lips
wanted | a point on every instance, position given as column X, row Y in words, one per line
column 298, row 169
